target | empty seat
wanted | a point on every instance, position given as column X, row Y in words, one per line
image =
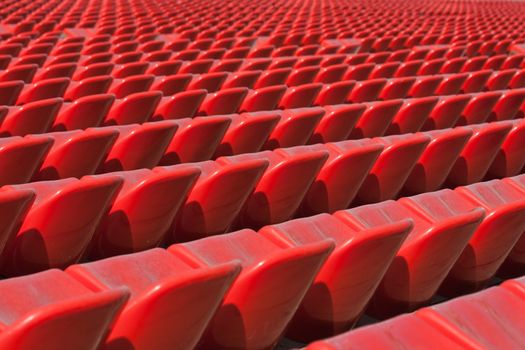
column 341, row 176
column 412, row 115
column 438, row 237
column 135, row 108
column 43, row 89
column 295, row 127
column 392, row 168
column 479, row 153
column 447, row 112
column 61, row 306
column 376, row 119
column 138, row 146
column 257, row 294
column 32, row 118
column 509, row 160
column 84, row 112
column 247, row 133
column 283, row 186
column 59, row 225
column 76, row 153
column 181, row 105
column 437, row 160
column 492, row 240
column 337, row 123
column 195, row 140
column 332, row 304
column 171, row 300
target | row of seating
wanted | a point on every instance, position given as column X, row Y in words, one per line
column 283, row 71
column 251, row 189
column 490, row 319
column 40, row 53
column 144, row 18
column 395, row 247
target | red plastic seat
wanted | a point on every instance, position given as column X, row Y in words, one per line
column 412, row 115
column 437, row 160
column 454, row 65
column 9, row 92
column 210, row 82
column 437, row 239
column 451, row 85
column 341, row 176
column 172, row 84
column 359, row 72
column 365, row 91
column 89, row 86
column 376, row 119
column 432, row 66
column 479, row 317
column 474, row 64
column 331, row 74
column 263, row 99
column 32, row 118
column 171, row 300
column 166, row 68
column 397, row 88
column 508, row 105
column 425, row 86
column 196, row 139
column 479, row 108
column 56, row 71
column 62, row 306
column 479, row 153
column 241, row 79
column 139, row 146
column 447, row 112
column 129, row 69
column 247, row 133
column 93, row 70
column 273, row 77
column 257, row 294
column 181, row 105
column 398, row 331
column 294, row 128
column 392, row 168
column 25, row 73
column 300, row 96
column 518, row 80
column 500, row 80
column 283, row 186
column 476, row 81
column 43, row 89
column 332, row 304
column 198, row 66
column 143, row 211
column 21, row 157
column 135, row 108
column 85, row 112
column 334, row 93
column 385, row 70
column 76, row 153
column 225, row 101
column 509, row 160
column 304, row 75
column 130, row 85
column 492, row 240
column 59, row 225
column 337, row 123
column 515, row 261
column 409, row 68
column 216, row 199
